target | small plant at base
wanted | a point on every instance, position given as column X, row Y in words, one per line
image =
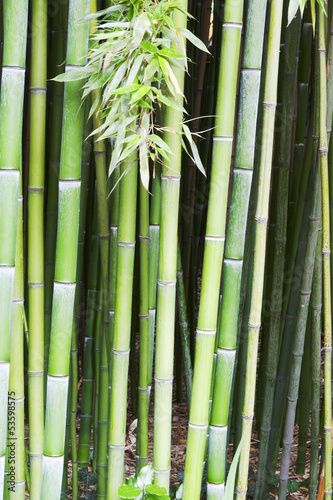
column 130, row 65
column 142, row 487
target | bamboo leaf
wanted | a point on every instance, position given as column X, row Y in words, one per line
column 103, row 12
column 160, row 142
column 292, row 9
column 149, row 47
column 139, row 94
column 169, row 76
column 170, row 53
column 230, row 484
column 194, row 149
column 135, row 69
column 140, row 27
column 72, row 75
column 194, row 40
column 144, row 166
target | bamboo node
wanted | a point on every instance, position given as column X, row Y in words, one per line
column 326, row 252
column 206, row 332
column 166, row 283
column 261, row 220
column 144, row 238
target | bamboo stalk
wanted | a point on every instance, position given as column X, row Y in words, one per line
column 234, row 251
column 269, row 105
column 66, row 259
column 315, row 368
column 36, row 242
column 15, row 483
column 282, row 189
column 143, row 387
column 166, row 281
column 122, row 328
column 11, row 116
column 214, row 245
column 323, row 152
column 298, row 345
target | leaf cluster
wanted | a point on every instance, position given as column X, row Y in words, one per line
column 294, row 5
column 134, row 52
column 142, row 487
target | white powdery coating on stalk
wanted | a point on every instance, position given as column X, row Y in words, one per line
column 52, row 477
column 215, row 491
column 56, row 405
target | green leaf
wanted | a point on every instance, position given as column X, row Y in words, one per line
column 135, row 69
column 151, row 69
column 194, row 149
column 160, row 142
column 230, row 484
column 128, row 491
column 292, row 486
column 149, row 47
column 103, row 12
column 72, row 75
column 139, row 93
column 194, row 40
column 153, row 489
column 170, row 53
column 140, row 27
column 179, row 492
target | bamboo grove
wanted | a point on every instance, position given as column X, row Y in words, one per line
column 166, row 190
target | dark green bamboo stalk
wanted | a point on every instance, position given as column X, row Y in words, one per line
column 88, row 365
column 122, row 328
column 298, row 344
column 284, row 160
column 97, row 360
column 269, row 105
column 234, row 251
column 35, row 212
column 154, row 237
column 56, row 106
column 214, row 245
column 66, row 258
column 304, row 402
column 11, row 116
column 315, row 368
column 323, row 152
column 183, row 325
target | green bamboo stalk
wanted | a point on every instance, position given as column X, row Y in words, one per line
column 16, row 440
column 122, row 327
column 234, row 251
column 269, row 105
column 11, row 116
column 214, row 245
column 77, row 318
column 315, row 369
column 304, row 402
column 166, row 281
column 298, row 344
column 35, row 212
column 143, row 387
column 66, row 258
column 288, row 97
column 323, row 152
